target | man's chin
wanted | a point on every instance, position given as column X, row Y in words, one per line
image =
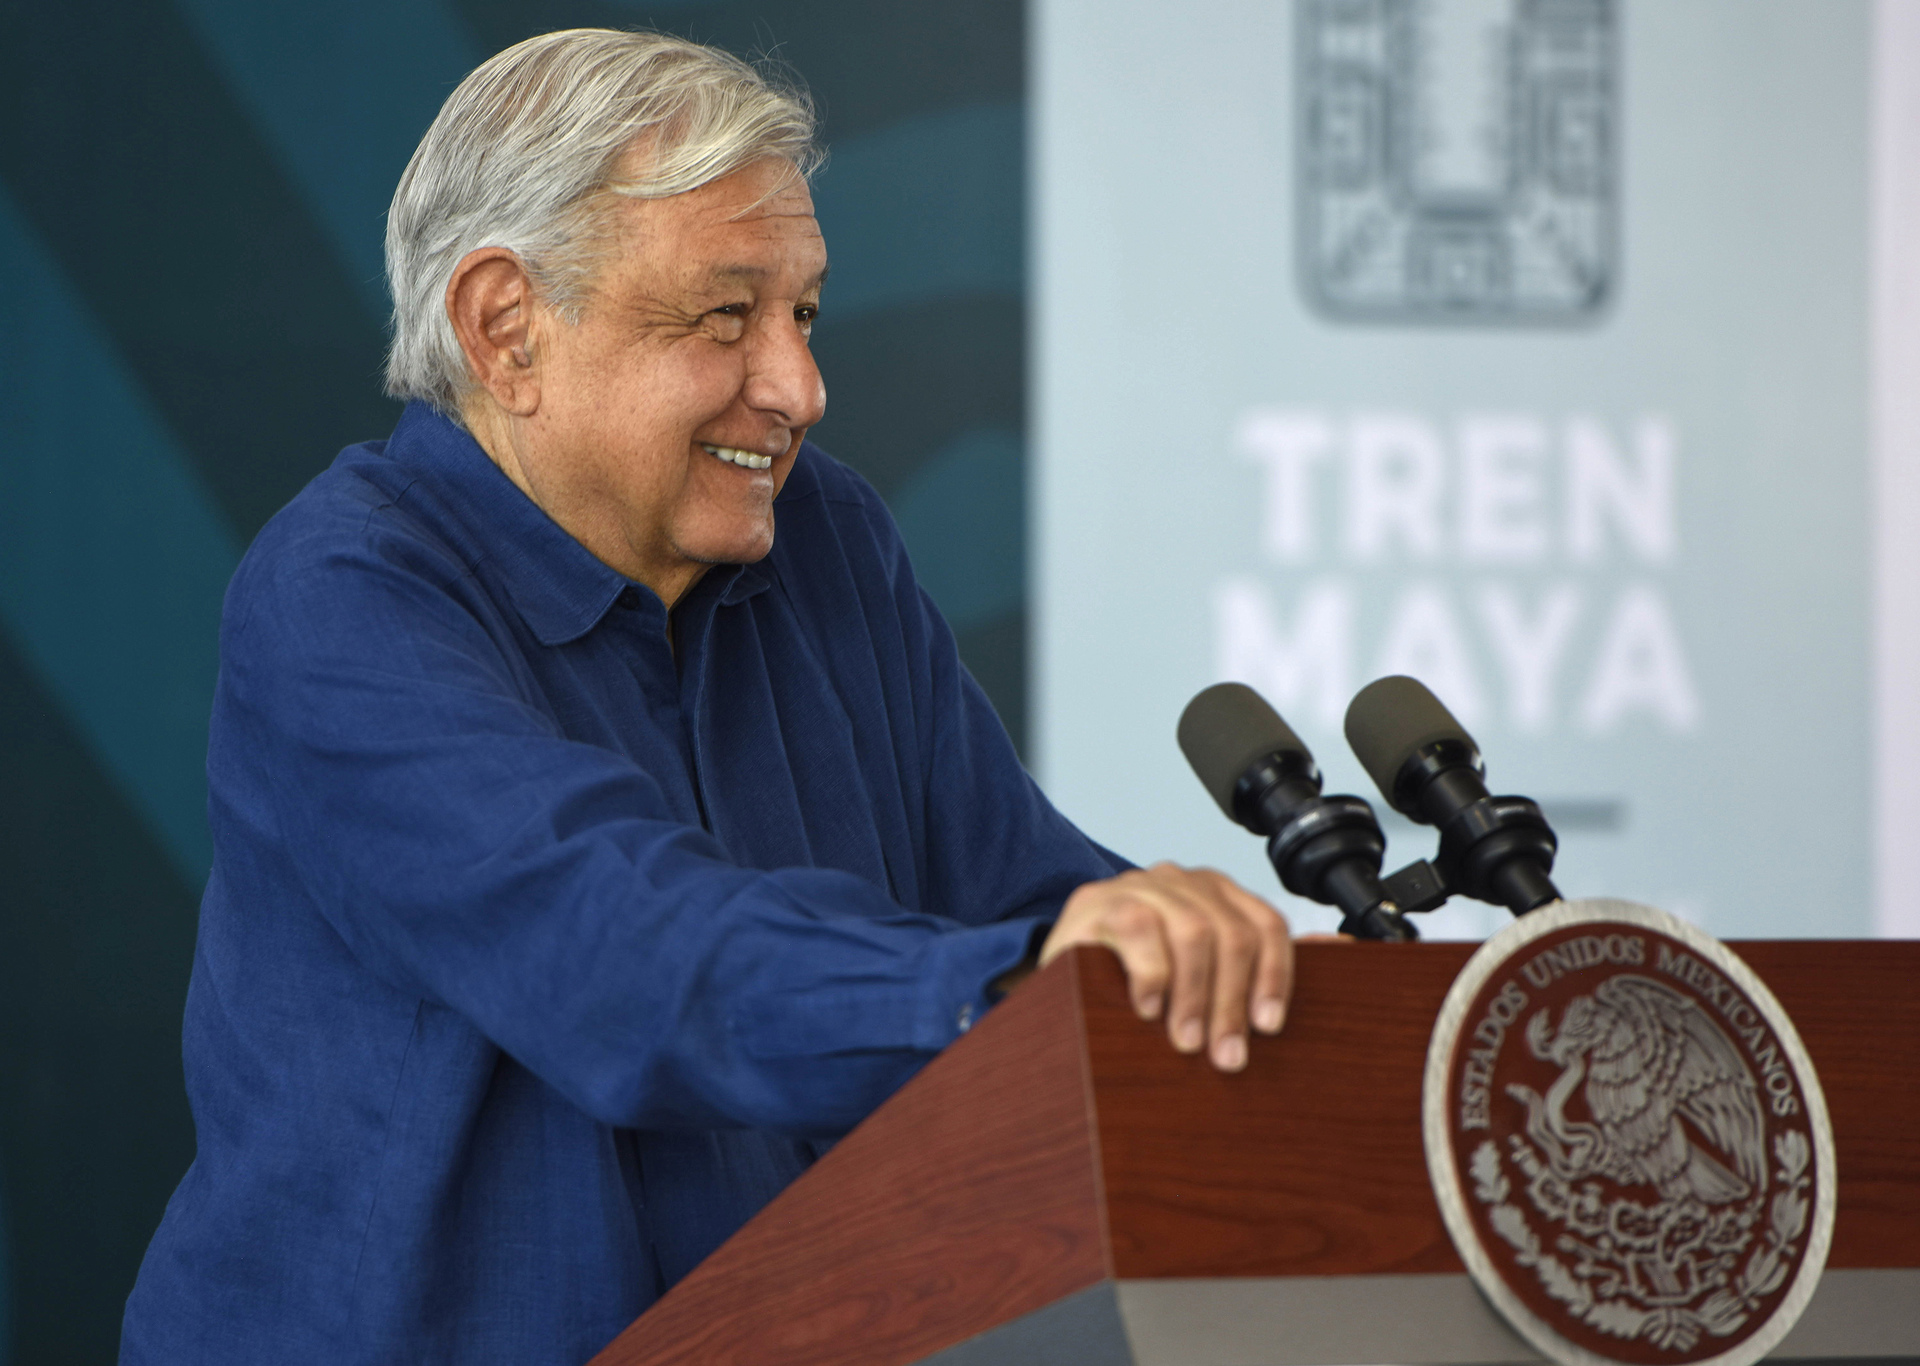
column 739, row 547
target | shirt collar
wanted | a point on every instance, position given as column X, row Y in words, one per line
column 555, row 583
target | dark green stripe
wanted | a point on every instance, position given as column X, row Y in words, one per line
column 171, row 217
column 97, row 932
column 903, row 382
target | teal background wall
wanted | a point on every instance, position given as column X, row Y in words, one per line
column 191, row 204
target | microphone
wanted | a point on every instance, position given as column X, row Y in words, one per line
column 1497, row 849
column 1327, row 849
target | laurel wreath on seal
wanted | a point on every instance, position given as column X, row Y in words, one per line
column 1669, row 1327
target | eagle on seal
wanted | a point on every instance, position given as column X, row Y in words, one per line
column 1650, row 1058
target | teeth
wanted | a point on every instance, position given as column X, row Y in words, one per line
column 744, row 459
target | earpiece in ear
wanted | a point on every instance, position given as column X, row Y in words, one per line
column 521, row 357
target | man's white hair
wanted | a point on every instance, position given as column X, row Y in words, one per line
column 525, row 155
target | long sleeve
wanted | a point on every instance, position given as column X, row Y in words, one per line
column 466, row 850
column 995, row 844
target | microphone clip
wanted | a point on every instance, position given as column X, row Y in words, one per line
column 1495, row 849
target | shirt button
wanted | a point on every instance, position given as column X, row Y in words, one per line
column 965, row 1018
column 629, row 598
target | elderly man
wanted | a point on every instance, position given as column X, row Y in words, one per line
column 585, row 850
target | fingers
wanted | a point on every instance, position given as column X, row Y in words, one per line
column 1135, row 933
column 1192, row 945
column 1236, row 956
column 1272, row 977
column 1210, row 954
column 1108, row 914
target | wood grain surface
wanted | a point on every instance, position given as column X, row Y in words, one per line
column 1310, row 1162
column 1856, row 1004
column 1063, row 1142
column 1307, row 1163
column 969, row 1199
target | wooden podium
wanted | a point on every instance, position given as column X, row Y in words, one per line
column 1061, row 1187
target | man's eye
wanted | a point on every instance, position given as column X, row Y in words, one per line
column 730, row 321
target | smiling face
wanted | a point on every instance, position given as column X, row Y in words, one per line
column 659, row 427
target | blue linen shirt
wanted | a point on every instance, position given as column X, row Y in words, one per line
column 538, row 950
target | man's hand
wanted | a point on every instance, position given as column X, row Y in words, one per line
column 1195, row 944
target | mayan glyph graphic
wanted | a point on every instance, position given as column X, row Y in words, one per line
column 1457, row 159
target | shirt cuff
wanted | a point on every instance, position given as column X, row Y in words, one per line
column 965, row 964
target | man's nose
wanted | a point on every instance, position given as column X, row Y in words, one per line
column 782, row 378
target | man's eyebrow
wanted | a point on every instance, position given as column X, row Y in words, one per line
column 746, row 272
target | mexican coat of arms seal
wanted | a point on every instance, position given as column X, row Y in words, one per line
column 1627, row 1140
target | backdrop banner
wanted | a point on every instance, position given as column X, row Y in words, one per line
column 1518, row 345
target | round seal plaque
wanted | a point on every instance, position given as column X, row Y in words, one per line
column 1627, row 1140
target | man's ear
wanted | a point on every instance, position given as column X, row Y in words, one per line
column 490, row 301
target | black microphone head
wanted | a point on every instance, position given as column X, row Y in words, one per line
column 1391, row 720
column 1225, row 730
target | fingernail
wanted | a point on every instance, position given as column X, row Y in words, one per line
column 1190, row 1035
column 1230, row 1053
column 1150, row 1008
column 1267, row 1016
